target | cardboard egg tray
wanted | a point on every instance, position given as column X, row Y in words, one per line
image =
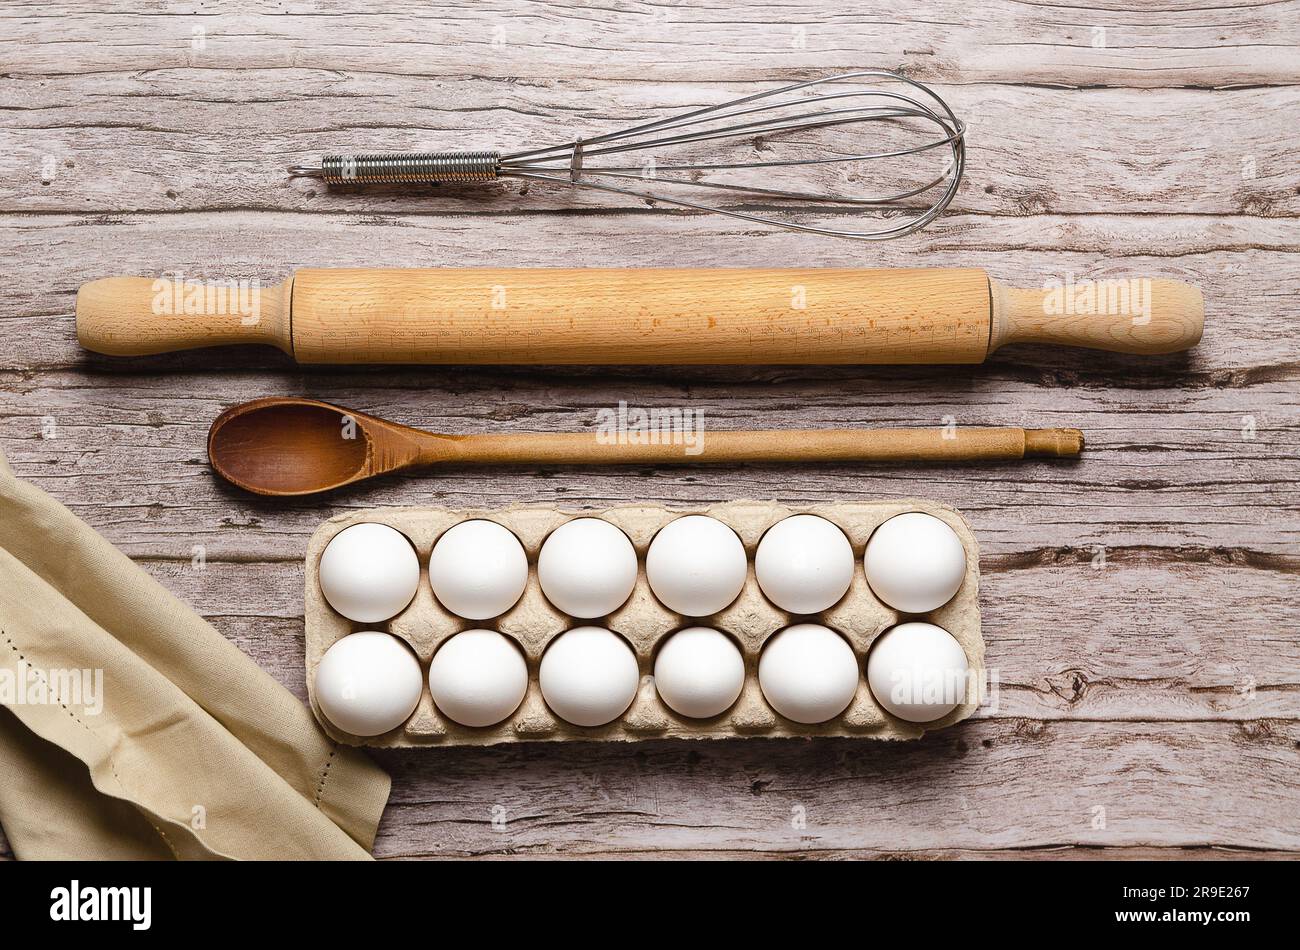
column 533, row 622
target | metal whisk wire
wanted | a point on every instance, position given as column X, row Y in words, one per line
column 756, row 119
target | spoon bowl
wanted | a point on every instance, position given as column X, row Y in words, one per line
column 287, row 446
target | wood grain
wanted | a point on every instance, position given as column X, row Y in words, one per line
column 159, row 142
column 1251, row 263
column 1201, row 43
column 1170, row 471
column 1039, row 786
column 1109, row 139
column 1121, row 666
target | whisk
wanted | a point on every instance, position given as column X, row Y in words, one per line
column 739, row 150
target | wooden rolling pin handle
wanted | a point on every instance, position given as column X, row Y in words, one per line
column 1141, row 315
column 140, row 316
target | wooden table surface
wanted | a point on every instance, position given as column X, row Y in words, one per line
column 1141, row 606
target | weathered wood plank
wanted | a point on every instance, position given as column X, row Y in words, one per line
column 1247, row 268
column 871, row 799
column 1194, row 785
column 1204, row 43
column 982, row 786
column 1064, row 853
column 1184, row 641
column 1164, row 470
column 144, row 142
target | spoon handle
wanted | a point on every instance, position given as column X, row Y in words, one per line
column 683, row 445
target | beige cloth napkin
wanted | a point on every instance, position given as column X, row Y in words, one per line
column 195, row 753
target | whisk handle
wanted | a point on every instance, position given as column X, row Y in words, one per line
column 436, row 168
column 1142, row 315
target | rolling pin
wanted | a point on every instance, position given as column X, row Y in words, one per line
column 637, row 316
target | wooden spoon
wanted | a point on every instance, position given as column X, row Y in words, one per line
column 291, row 446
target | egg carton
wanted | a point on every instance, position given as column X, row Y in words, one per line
column 645, row 623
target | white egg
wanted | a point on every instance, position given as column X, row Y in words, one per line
column 699, row 672
column 696, row 565
column 478, row 678
column 808, row 673
column 589, row 676
column 917, row 671
column 915, row 562
column 478, row 569
column 369, row 572
column 804, row 564
column 587, row 568
column 368, row 683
